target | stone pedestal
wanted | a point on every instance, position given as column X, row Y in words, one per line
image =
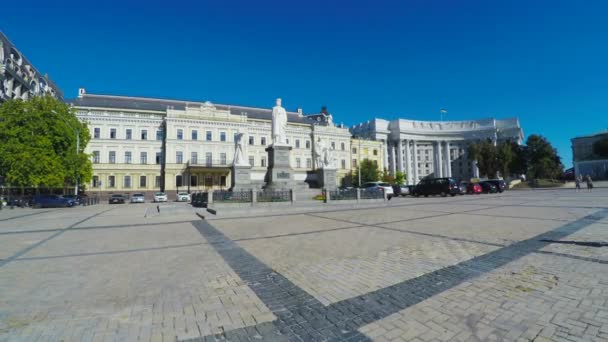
column 328, row 179
column 279, row 174
column 241, row 177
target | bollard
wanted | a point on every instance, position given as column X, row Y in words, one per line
column 254, row 197
column 358, row 194
column 293, row 196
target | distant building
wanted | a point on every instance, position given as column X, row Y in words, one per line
column 19, row 79
column 585, row 162
column 423, row 149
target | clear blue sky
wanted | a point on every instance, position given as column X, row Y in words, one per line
column 545, row 62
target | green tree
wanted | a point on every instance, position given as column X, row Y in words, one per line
column 38, row 144
column 369, row 172
column 505, row 156
column 486, row 155
column 600, row 147
column 542, row 158
column 400, row 177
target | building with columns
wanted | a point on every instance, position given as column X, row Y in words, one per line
column 19, row 79
column 147, row 144
column 424, row 149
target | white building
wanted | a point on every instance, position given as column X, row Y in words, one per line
column 435, row 149
column 127, row 142
column 19, row 79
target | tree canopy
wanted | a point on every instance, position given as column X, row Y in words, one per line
column 369, row 172
column 542, row 158
column 38, row 144
column 537, row 159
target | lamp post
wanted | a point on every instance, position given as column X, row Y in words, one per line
column 359, row 162
column 77, row 145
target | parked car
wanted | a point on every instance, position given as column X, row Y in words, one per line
column 199, row 199
column 116, row 199
column 77, row 200
column 183, row 197
column 437, row 186
column 160, row 197
column 384, row 187
column 138, row 198
column 401, row 190
column 52, row 201
column 499, row 184
column 474, row 188
column 463, row 187
column 488, row 188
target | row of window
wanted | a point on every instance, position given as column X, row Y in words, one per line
column 179, row 159
column 208, row 137
column 365, row 150
column 128, row 134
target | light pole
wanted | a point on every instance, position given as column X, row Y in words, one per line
column 359, row 162
column 77, row 145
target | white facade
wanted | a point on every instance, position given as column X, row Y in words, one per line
column 435, row 149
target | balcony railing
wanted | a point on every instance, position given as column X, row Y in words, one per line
column 211, row 163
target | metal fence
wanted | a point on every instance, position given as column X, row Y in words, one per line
column 232, row 196
column 372, row 193
column 274, row 196
column 343, row 194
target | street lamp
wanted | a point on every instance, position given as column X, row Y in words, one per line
column 77, row 144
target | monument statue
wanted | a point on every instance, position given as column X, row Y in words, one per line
column 279, row 124
column 240, row 150
column 323, row 155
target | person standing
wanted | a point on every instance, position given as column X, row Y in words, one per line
column 577, row 182
column 589, row 183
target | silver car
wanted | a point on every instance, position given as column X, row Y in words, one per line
column 160, row 197
column 183, row 197
column 138, row 198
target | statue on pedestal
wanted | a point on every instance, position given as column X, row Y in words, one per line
column 323, row 155
column 240, row 150
column 279, row 124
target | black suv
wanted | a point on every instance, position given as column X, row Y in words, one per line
column 498, row 183
column 437, row 186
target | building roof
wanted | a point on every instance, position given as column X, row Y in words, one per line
column 604, row 132
column 161, row 105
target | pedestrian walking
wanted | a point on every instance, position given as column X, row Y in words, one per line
column 589, row 183
column 577, row 182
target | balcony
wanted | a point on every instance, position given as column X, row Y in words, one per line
column 210, row 163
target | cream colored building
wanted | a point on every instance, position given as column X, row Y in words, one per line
column 126, row 146
column 362, row 149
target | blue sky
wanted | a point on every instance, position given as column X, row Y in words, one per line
column 545, row 62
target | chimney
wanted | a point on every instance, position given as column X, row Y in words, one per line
column 299, row 110
column 81, row 92
column 324, row 110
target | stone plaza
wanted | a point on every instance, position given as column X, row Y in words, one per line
column 517, row 266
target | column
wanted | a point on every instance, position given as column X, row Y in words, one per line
column 415, row 162
column 439, row 163
column 393, row 161
column 448, row 161
column 400, row 155
column 408, row 163
column 385, row 148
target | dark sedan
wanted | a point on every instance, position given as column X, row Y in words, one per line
column 499, row 184
column 51, row 201
column 488, row 188
column 117, row 199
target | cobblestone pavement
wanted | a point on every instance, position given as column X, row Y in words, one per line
column 523, row 265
